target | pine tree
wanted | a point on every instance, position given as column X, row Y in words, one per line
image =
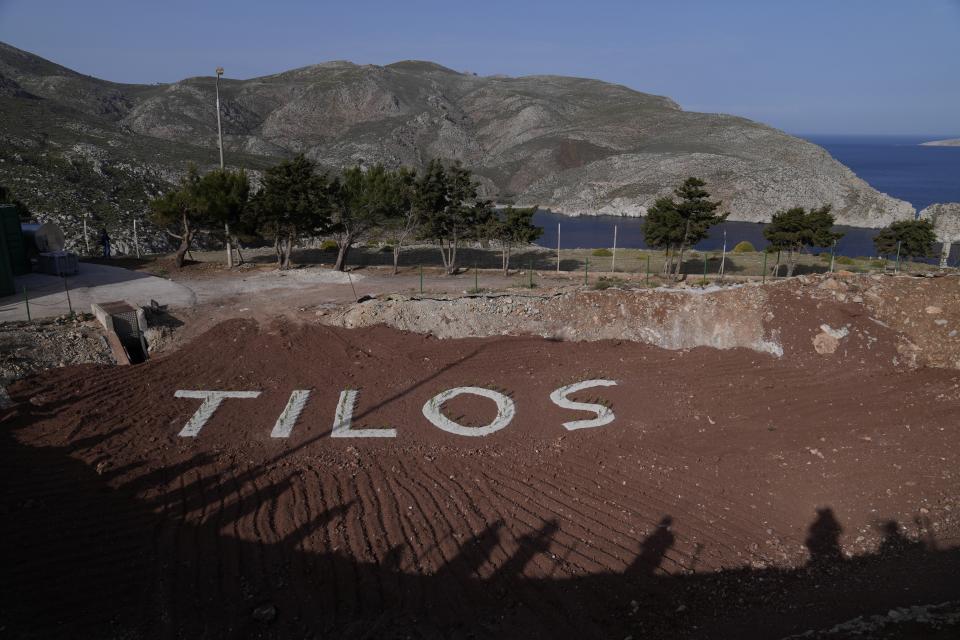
column 293, row 202
column 795, row 228
column 914, row 237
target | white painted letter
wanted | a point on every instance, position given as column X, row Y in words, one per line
column 211, row 401
column 341, row 422
column 604, row 414
column 291, row 412
column 505, row 411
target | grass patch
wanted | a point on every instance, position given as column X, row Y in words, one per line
column 602, row 253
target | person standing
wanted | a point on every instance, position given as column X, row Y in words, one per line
column 105, row 241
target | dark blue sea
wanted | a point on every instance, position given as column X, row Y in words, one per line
column 895, row 165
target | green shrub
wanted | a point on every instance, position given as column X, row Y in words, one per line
column 744, row 246
column 328, row 245
column 602, row 253
column 606, row 282
column 844, row 260
column 878, row 264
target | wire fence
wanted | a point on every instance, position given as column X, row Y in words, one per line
column 480, row 270
column 33, row 297
column 730, row 265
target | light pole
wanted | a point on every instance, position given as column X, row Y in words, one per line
column 226, row 223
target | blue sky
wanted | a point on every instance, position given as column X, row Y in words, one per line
column 813, row 66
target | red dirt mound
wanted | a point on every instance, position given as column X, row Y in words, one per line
column 733, row 495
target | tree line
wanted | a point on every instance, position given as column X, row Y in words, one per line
column 441, row 205
column 297, row 201
column 674, row 224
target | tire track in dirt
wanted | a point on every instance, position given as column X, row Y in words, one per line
column 603, row 520
column 478, row 525
column 330, row 577
column 349, row 540
column 651, row 503
column 434, row 557
column 586, row 538
column 414, row 543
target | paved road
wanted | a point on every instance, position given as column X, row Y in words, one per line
column 94, row 283
column 242, row 293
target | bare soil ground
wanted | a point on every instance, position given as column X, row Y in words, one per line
column 33, row 347
column 738, row 492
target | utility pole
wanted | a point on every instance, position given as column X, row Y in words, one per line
column 226, row 223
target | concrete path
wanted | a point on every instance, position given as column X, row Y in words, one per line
column 94, row 283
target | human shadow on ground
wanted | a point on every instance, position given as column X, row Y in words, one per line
column 141, row 552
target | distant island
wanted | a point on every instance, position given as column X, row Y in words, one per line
column 953, row 142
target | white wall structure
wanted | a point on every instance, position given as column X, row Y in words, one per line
column 506, row 409
column 344, row 416
column 211, row 402
column 604, row 414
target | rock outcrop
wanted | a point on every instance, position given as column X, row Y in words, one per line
column 945, row 218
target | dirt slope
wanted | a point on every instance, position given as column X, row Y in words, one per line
column 736, row 494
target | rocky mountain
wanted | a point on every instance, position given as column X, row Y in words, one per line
column 73, row 143
column 953, row 142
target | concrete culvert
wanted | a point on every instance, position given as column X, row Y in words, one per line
column 125, row 326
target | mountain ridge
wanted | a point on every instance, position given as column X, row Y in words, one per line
column 574, row 145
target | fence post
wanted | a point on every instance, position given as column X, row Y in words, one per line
column 421, row 279
column 833, row 251
column 586, row 272
column 530, row 270
column 704, row 268
column 26, row 301
column 613, row 260
column 648, row 268
column 558, row 247
column 723, row 258
column 66, row 290
column 136, row 241
column 476, row 279
column 764, row 270
column 898, row 256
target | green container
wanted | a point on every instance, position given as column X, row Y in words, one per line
column 6, row 273
column 17, row 257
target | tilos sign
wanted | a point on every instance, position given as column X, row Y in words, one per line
column 342, row 422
